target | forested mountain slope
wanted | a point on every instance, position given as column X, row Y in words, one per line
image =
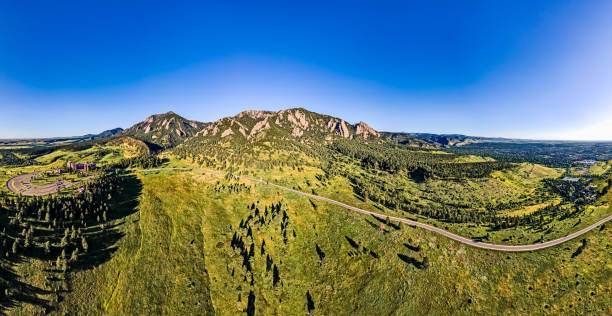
column 292, row 124
column 166, row 130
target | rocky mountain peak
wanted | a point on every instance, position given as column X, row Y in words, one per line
column 167, row 129
column 365, row 130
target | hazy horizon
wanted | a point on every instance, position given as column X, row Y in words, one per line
column 504, row 69
column 406, row 132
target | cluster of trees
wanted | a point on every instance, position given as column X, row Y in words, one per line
column 142, row 161
column 243, row 241
column 579, row 192
column 418, row 163
column 91, row 206
column 37, row 151
column 231, row 187
column 606, row 189
column 263, row 154
column 55, row 228
column 436, row 207
column 8, row 158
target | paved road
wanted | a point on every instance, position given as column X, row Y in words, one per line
column 21, row 185
column 440, row 231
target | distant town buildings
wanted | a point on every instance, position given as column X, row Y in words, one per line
column 570, row 179
column 81, row 167
column 587, row 162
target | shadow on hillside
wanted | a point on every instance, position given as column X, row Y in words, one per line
column 413, row 248
column 14, row 292
column 410, row 260
column 101, row 240
column 384, row 221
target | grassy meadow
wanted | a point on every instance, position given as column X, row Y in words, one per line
column 176, row 256
column 186, row 243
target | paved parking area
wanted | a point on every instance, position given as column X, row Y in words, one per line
column 21, row 185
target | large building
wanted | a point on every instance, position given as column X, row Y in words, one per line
column 81, row 166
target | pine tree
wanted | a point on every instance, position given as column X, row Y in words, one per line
column 84, row 244
column 75, row 255
column 15, row 246
column 64, row 242
column 425, row 263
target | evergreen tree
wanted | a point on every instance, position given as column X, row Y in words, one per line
column 15, row 246
column 84, row 244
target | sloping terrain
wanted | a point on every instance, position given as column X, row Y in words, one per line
column 292, row 124
column 131, row 147
column 249, row 249
column 166, row 130
column 189, row 243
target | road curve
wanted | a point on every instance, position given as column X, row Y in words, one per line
column 440, row 231
column 21, row 185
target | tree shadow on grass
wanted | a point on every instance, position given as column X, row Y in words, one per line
column 413, row 248
column 384, row 221
column 101, row 240
column 15, row 292
column 417, row 264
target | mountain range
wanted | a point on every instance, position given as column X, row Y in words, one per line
column 170, row 129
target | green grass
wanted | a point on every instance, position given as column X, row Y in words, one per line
column 160, row 266
column 98, row 154
column 174, row 255
column 158, row 269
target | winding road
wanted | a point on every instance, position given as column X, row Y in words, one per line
column 21, row 185
column 440, row 231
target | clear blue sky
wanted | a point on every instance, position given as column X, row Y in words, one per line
column 531, row 69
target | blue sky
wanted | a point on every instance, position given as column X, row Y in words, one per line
column 532, row 69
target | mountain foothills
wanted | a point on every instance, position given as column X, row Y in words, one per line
column 181, row 217
column 170, row 129
column 165, row 130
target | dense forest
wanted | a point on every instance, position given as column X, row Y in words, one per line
column 142, row 162
column 419, row 163
column 8, row 158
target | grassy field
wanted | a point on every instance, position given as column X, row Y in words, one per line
column 600, row 168
column 175, row 257
column 184, row 243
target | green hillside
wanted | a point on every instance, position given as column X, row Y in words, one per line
column 183, row 242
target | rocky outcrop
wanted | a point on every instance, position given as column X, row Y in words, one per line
column 298, row 124
column 365, row 130
column 297, row 132
column 338, row 127
column 227, row 132
column 298, row 119
column 259, row 126
column 167, row 130
column 256, row 114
